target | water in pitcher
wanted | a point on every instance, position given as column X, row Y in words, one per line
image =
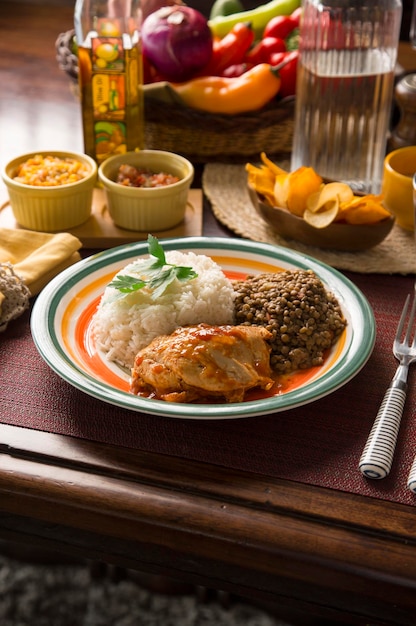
column 344, row 117
column 348, row 51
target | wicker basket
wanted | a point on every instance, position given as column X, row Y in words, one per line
column 200, row 136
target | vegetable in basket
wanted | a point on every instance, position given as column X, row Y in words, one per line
column 225, row 7
column 282, row 26
column 221, row 95
column 259, row 17
column 230, row 50
column 149, row 6
column 177, row 41
column 288, row 62
column 264, row 49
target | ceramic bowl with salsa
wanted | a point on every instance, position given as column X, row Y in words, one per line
column 147, row 190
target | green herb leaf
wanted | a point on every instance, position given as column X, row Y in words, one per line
column 126, row 283
column 156, row 250
column 185, row 273
column 159, row 274
column 161, row 282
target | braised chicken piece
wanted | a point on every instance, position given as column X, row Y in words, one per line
column 204, row 362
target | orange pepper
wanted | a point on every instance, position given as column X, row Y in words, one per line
column 217, row 94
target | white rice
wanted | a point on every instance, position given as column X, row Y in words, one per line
column 124, row 325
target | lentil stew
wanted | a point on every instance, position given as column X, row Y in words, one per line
column 304, row 318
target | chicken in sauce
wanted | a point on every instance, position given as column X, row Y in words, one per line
column 204, row 362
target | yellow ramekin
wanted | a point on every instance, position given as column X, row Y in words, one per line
column 147, row 209
column 50, row 209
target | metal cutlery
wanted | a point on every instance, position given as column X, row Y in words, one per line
column 411, row 481
column 377, row 456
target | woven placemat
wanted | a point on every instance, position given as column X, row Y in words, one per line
column 226, row 188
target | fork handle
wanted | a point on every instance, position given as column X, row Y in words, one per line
column 411, row 481
column 377, row 457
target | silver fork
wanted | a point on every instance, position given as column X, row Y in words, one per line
column 377, row 456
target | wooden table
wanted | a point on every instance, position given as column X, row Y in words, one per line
column 321, row 555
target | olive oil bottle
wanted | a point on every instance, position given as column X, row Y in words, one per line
column 110, row 76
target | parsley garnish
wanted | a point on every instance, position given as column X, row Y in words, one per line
column 159, row 274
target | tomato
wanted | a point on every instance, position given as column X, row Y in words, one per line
column 287, row 72
column 278, row 58
column 281, row 26
column 264, row 49
column 296, row 15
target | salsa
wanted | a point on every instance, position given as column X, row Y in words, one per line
column 130, row 176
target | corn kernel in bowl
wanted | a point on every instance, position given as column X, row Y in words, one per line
column 50, row 190
column 50, row 171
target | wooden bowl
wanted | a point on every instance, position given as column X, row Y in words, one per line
column 343, row 237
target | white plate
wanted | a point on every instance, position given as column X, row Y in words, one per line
column 60, row 325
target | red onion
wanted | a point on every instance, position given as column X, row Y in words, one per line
column 149, row 6
column 177, row 41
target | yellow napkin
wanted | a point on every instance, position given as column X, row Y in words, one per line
column 37, row 257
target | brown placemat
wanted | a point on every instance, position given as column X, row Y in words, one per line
column 99, row 231
column 319, row 443
column 226, row 188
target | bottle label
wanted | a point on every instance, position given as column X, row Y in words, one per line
column 108, row 96
column 107, row 54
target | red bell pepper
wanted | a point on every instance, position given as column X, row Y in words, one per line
column 281, row 26
column 264, row 49
column 232, row 71
column 288, row 62
column 230, row 50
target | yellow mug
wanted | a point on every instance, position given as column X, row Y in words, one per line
column 397, row 187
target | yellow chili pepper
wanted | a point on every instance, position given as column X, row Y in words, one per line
column 215, row 94
column 258, row 17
